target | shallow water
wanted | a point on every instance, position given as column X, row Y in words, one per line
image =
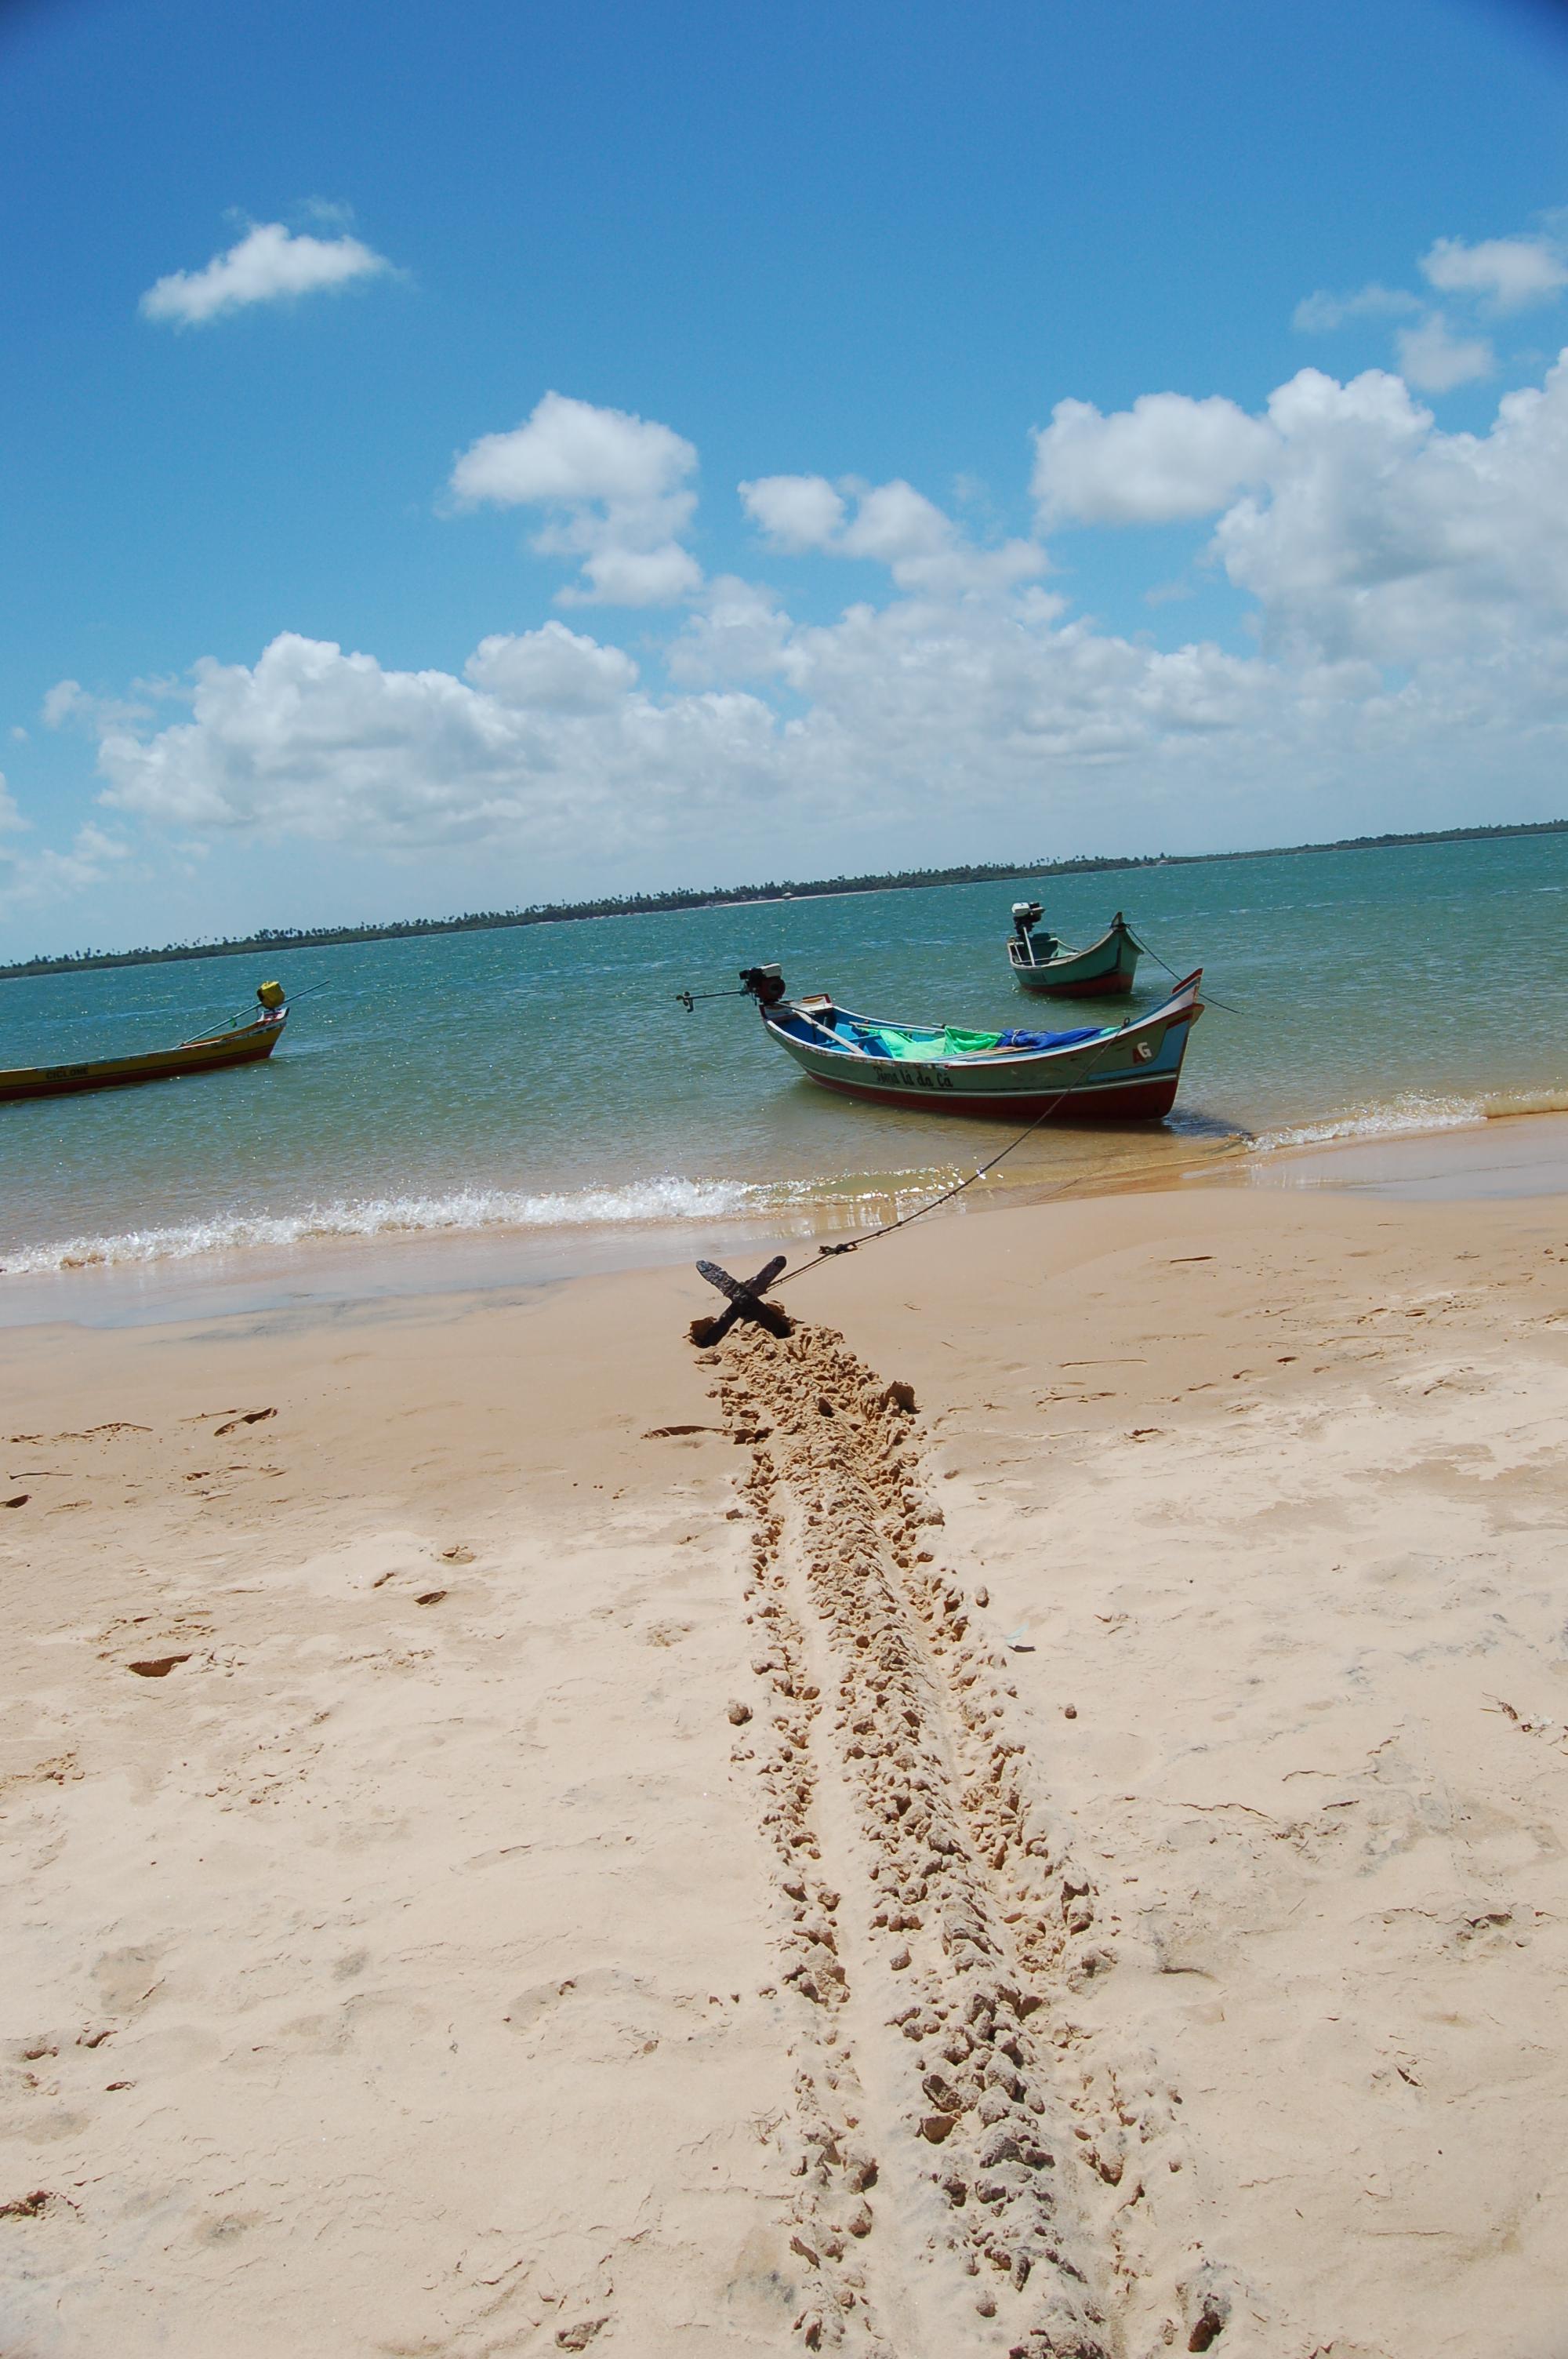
column 544, row 1079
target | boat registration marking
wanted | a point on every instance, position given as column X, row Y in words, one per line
column 911, row 1077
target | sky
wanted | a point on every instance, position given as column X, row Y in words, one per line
column 463, row 456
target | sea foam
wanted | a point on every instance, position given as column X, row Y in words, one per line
column 1408, row 1116
column 637, row 1203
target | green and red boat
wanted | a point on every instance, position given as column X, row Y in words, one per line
column 1104, row 971
column 1114, row 1073
column 242, row 1042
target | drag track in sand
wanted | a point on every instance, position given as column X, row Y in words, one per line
column 977, row 2169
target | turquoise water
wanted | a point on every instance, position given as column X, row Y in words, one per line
column 544, row 1078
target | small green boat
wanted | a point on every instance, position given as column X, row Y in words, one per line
column 1104, row 971
column 242, row 1042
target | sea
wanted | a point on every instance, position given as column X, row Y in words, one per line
column 544, row 1085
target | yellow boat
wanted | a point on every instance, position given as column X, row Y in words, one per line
column 242, row 1042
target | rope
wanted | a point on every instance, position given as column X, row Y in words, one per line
column 1208, row 999
column 853, row 1245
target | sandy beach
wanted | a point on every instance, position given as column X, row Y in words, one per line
column 1027, row 1819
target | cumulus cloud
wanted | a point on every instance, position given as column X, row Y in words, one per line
column 1434, row 358
column 1379, row 537
column 268, row 265
column 1167, row 458
column 1409, row 590
column 796, row 512
column 738, row 632
column 547, row 740
column 893, row 524
column 1322, row 311
column 1498, row 275
column 615, row 492
column 29, row 876
column 1511, row 274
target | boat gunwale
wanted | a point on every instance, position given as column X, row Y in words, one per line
column 1181, row 1006
column 1118, row 928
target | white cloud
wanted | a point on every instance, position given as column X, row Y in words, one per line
column 1378, row 538
column 1166, row 458
column 615, row 490
column 797, row 512
column 739, row 632
column 1510, row 273
column 1323, row 311
column 269, row 264
column 548, row 742
column 1433, row 357
column 553, row 670
column 63, row 702
column 894, row 526
column 1409, row 587
column 28, row 877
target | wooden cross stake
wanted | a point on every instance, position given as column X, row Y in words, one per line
column 745, row 1301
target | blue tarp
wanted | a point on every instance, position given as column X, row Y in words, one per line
column 1048, row 1039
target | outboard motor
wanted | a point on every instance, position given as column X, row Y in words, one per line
column 766, row 983
column 1026, row 916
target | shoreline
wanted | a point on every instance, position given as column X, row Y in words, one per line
column 1502, row 1155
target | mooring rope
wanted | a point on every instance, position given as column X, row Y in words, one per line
column 1209, row 999
column 853, row 1245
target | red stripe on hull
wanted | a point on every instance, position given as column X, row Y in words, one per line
column 1130, row 1102
column 1104, row 986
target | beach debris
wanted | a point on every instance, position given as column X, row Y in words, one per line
column 745, row 1301
column 457, row 1555
column 740, row 1713
column 1020, row 1640
column 430, row 1597
column 982, row 1596
column 156, row 1666
column 673, row 1432
column 245, row 1416
column 27, row 2207
column 1069, row 1711
column 1525, row 1722
column 578, row 2337
column 19, row 1501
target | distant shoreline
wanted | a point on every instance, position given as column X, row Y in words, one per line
column 643, row 904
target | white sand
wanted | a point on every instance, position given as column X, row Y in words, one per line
column 403, row 1977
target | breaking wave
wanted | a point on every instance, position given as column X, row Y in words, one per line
column 642, row 1200
column 1408, row 1116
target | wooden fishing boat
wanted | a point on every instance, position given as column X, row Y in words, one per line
column 1104, row 971
column 1114, row 1073
column 241, row 1042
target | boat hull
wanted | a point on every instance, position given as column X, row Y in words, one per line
column 1105, row 971
column 1127, row 1074
column 246, row 1047
column 1141, row 1100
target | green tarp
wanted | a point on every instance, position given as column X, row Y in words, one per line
column 920, row 1047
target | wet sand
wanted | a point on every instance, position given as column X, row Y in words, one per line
column 1025, row 1819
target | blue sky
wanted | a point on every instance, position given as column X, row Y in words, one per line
column 850, row 248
